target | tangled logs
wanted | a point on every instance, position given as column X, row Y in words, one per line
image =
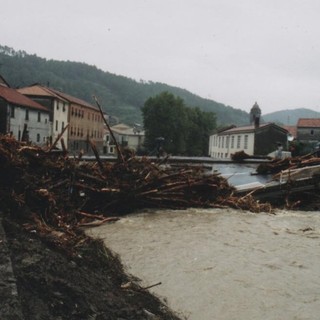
column 277, row 165
column 52, row 190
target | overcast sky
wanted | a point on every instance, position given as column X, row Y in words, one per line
column 232, row 51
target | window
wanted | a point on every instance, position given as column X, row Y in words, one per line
column 232, row 142
column 312, row 132
column 38, row 137
column 39, row 116
column 62, row 126
column 222, row 145
column 246, row 141
column 12, row 111
column 57, row 126
column 57, row 105
column 227, row 141
column 27, row 114
column 238, row 142
column 64, row 107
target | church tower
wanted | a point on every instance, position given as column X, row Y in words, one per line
column 255, row 114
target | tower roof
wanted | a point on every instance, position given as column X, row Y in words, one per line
column 255, row 107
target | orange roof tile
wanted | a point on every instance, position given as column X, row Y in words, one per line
column 308, row 122
column 74, row 99
column 292, row 130
column 39, row 90
column 13, row 96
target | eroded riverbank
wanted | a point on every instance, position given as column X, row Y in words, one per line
column 224, row 264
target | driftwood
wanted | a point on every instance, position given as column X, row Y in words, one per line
column 56, row 194
column 277, row 165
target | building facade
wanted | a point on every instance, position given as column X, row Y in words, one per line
column 308, row 130
column 22, row 117
column 85, row 123
column 261, row 140
column 126, row 136
column 58, row 107
column 254, row 139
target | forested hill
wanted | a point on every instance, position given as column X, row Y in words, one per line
column 120, row 96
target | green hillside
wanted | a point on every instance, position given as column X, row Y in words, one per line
column 120, row 96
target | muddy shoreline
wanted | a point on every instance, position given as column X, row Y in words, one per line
column 89, row 284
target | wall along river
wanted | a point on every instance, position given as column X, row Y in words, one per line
column 224, row 263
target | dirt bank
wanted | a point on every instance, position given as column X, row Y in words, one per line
column 88, row 283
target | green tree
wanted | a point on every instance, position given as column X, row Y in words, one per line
column 185, row 130
column 201, row 124
column 165, row 116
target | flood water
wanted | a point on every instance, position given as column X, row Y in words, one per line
column 222, row 263
column 238, row 174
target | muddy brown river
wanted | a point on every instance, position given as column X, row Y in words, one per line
column 224, row 264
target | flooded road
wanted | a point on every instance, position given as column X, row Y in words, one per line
column 224, row 264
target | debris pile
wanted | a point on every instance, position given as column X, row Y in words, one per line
column 240, row 156
column 47, row 198
column 277, row 165
column 65, row 192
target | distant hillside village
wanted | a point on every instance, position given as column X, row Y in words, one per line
column 266, row 139
column 45, row 116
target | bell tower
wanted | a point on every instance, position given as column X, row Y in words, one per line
column 255, row 114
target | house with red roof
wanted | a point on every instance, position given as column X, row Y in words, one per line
column 84, row 120
column 58, row 107
column 308, row 130
column 22, row 117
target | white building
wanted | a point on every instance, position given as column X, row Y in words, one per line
column 223, row 144
column 126, row 136
column 22, row 117
column 255, row 139
column 58, row 106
